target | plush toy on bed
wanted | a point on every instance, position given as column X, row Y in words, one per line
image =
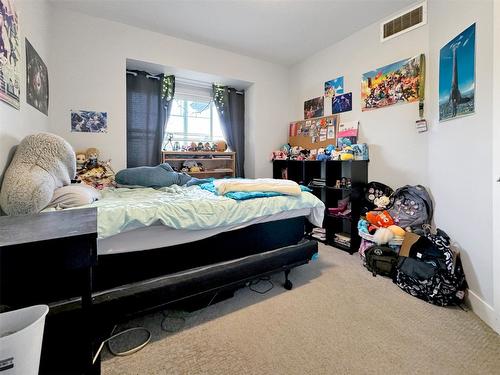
column 160, row 176
column 42, row 163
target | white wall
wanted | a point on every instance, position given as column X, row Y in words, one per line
column 496, row 165
column 16, row 124
column 460, row 151
column 398, row 154
column 90, row 60
column 454, row 159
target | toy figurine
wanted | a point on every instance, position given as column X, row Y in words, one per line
column 206, row 147
column 92, row 155
column 80, row 161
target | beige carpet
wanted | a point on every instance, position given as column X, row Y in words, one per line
column 338, row 319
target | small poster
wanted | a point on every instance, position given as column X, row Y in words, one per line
column 334, row 87
column 10, row 55
column 330, row 133
column 342, row 103
column 37, row 80
column 294, row 128
column 89, row 122
column 314, row 107
column 457, row 82
column 348, row 131
column 322, row 138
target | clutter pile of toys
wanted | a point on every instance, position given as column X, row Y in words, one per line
column 344, row 151
column 93, row 172
column 219, row 146
column 192, row 166
column 397, row 241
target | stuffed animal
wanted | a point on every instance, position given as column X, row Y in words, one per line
column 383, row 236
column 363, row 226
column 221, row 146
column 329, row 149
column 278, row 155
column 347, row 153
column 398, row 231
column 321, row 155
column 380, row 219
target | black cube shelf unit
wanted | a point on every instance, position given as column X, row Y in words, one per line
column 304, row 171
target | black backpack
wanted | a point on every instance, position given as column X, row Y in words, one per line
column 430, row 273
column 381, row 260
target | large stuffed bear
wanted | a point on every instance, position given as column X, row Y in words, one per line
column 42, row 163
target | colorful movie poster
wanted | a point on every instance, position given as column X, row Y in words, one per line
column 37, row 80
column 396, row 83
column 314, row 107
column 89, row 122
column 342, row 103
column 334, row 87
column 10, row 84
column 457, row 82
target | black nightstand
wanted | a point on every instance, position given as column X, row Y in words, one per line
column 69, row 240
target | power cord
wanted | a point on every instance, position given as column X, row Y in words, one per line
column 257, row 281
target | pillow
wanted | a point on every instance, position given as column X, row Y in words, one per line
column 74, row 195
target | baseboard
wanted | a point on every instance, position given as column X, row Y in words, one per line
column 483, row 310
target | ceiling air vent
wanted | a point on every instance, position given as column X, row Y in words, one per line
column 402, row 23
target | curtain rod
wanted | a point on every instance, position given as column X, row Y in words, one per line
column 186, row 81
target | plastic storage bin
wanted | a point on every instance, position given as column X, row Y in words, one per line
column 21, row 335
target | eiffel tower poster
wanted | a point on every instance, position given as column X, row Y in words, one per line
column 457, row 82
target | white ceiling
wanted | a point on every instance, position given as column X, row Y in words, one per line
column 281, row 31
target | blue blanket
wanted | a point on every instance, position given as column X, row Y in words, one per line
column 244, row 195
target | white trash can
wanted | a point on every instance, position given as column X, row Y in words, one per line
column 21, row 335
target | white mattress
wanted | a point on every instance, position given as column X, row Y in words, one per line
column 158, row 236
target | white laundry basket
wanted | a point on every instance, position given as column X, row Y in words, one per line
column 21, row 335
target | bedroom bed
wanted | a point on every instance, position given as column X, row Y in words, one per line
column 152, row 238
column 163, row 247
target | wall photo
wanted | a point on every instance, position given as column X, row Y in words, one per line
column 89, row 122
column 334, row 87
column 396, row 83
column 342, row 103
column 37, row 80
column 457, row 83
column 314, row 107
column 10, row 82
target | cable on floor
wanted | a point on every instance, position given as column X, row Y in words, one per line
column 257, row 281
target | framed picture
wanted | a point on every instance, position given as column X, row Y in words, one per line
column 397, row 83
column 334, row 87
column 10, row 55
column 37, row 80
column 89, row 122
column 457, row 81
column 314, row 107
column 342, row 103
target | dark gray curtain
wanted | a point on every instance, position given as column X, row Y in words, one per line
column 148, row 107
column 230, row 105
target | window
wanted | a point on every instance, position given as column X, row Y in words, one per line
column 193, row 121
